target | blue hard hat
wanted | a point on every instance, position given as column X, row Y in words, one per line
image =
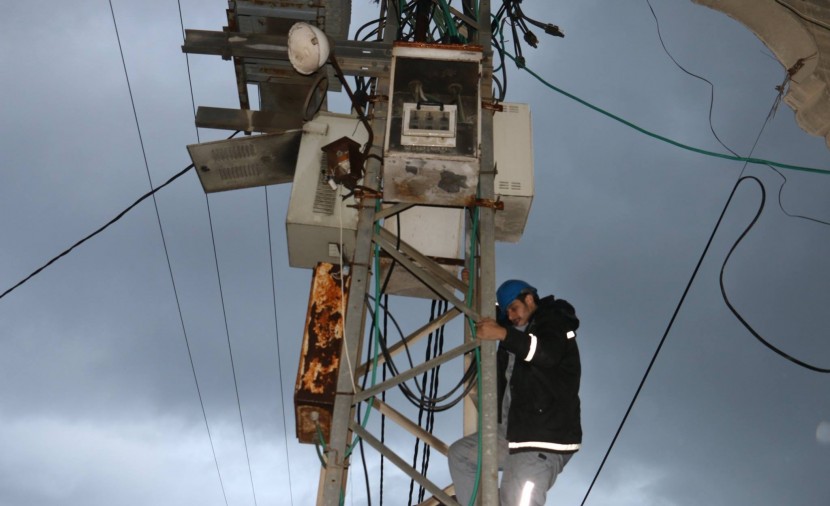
column 509, row 291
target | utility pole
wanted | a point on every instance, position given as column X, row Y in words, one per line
column 257, row 42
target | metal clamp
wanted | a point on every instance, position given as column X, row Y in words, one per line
column 493, row 204
column 492, row 106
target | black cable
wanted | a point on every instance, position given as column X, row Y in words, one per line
column 660, row 345
column 384, row 370
column 711, row 124
column 421, row 410
column 692, row 74
column 93, row 234
column 438, row 307
column 677, row 310
column 277, row 340
column 729, row 304
column 397, row 326
column 501, row 84
column 422, row 399
column 763, row 190
column 430, row 403
column 688, row 284
column 781, row 204
column 230, row 348
column 365, row 468
column 430, row 351
column 273, row 289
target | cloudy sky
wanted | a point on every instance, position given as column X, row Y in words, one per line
column 98, row 403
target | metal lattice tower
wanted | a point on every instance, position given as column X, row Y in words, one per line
column 256, row 41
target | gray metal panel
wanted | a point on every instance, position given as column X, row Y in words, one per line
column 244, row 120
column 246, row 162
column 263, row 50
column 275, row 16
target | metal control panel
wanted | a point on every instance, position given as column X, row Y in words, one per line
column 431, row 152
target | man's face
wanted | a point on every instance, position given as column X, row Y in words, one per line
column 520, row 310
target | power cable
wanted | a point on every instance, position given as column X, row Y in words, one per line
column 763, row 200
column 277, row 341
column 781, row 204
column 729, row 304
column 741, row 178
column 711, row 125
column 384, row 370
column 423, row 399
column 189, row 76
column 692, row 74
column 224, row 314
column 96, row 232
column 164, row 242
column 230, row 348
column 432, row 349
column 365, row 467
column 660, row 345
column 757, row 161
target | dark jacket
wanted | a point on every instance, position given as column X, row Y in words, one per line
column 544, row 388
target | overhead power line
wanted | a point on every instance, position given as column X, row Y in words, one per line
column 712, row 126
column 740, row 318
column 277, row 340
column 757, row 161
column 230, row 348
column 166, row 252
column 93, row 234
column 741, row 179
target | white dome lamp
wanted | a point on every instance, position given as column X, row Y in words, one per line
column 308, row 48
column 308, row 51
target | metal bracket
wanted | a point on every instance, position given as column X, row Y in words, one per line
column 492, row 106
column 492, row 204
column 364, row 192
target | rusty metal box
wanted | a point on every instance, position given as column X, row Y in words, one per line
column 316, row 385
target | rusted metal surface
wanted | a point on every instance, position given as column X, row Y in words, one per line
column 492, row 106
column 434, row 181
column 443, row 47
column 493, row 204
column 315, row 389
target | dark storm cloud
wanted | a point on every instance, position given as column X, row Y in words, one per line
column 100, row 402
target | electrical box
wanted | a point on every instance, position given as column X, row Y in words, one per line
column 431, row 150
column 436, row 232
column 316, row 387
column 513, row 153
column 320, row 224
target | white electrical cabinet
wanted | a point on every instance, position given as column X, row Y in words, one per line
column 436, row 232
column 320, row 223
column 433, row 133
column 513, row 153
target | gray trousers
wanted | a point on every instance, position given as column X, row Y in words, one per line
column 526, row 476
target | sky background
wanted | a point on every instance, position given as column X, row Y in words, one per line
column 98, row 403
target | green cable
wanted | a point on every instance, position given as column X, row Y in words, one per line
column 376, row 334
column 471, row 323
column 322, row 443
column 376, row 330
column 757, row 161
column 445, row 8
